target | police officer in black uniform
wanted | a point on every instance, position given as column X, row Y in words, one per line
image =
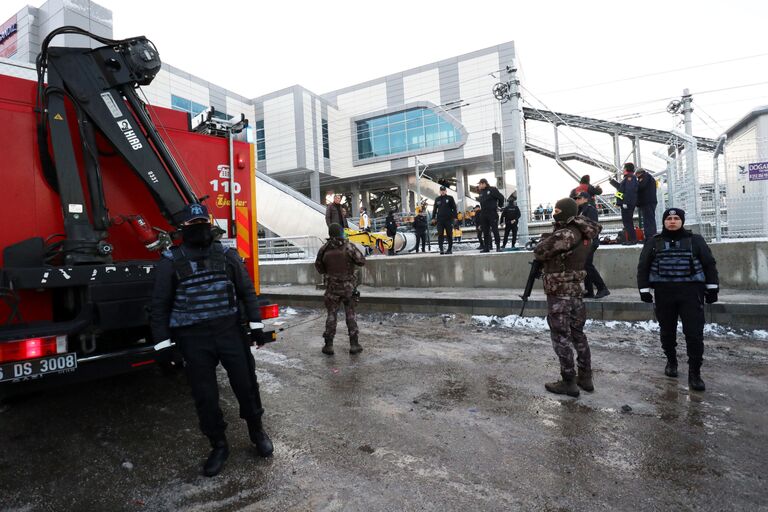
column 443, row 214
column 593, row 279
column 201, row 289
column 510, row 215
column 490, row 200
column 681, row 270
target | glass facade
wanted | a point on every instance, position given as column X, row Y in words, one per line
column 261, row 145
column 326, row 142
column 185, row 105
column 410, row 130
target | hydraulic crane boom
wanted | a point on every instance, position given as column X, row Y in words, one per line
column 101, row 84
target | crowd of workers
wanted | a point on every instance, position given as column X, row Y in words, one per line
column 204, row 300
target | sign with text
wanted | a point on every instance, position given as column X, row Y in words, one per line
column 758, row 171
column 8, row 31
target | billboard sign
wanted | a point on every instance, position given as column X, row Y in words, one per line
column 758, row 171
column 8, row 31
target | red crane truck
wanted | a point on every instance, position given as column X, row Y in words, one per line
column 93, row 182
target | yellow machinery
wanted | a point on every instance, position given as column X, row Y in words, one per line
column 380, row 241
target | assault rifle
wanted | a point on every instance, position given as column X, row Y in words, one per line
column 534, row 274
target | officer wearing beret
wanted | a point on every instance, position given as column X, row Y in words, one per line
column 679, row 268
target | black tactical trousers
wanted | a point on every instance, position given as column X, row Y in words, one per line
column 203, row 346
column 507, row 228
column 490, row 223
column 686, row 302
column 421, row 240
column 445, row 232
column 594, row 279
column 648, row 218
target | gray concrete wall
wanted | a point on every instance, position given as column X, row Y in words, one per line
column 742, row 265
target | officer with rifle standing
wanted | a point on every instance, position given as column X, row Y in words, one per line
column 563, row 254
column 201, row 289
column 337, row 260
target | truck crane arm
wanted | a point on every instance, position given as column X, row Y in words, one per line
column 101, row 85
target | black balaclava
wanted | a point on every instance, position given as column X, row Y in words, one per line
column 568, row 210
column 197, row 235
column 335, row 231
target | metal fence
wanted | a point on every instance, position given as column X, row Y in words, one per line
column 724, row 195
column 289, row 248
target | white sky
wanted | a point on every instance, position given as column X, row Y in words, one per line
column 564, row 47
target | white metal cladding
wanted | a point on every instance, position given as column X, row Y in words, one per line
column 319, row 124
column 343, row 139
column 309, row 139
column 423, row 86
column 280, row 133
column 481, row 118
column 23, row 70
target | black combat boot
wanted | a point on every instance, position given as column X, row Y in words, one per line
column 217, row 457
column 354, row 346
column 694, row 379
column 584, row 380
column 602, row 293
column 566, row 386
column 671, row 369
column 259, row 438
column 328, row 347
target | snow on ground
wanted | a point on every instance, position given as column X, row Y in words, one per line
column 540, row 323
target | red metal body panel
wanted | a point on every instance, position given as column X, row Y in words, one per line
column 30, row 208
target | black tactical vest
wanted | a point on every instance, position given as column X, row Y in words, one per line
column 204, row 290
column 674, row 262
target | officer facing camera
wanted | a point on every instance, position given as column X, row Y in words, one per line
column 679, row 267
column 199, row 287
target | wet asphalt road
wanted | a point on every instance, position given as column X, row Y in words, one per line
column 436, row 414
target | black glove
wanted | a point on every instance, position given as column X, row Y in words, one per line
column 646, row 297
column 710, row 296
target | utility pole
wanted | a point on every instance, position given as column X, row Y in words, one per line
column 518, row 147
column 692, row 166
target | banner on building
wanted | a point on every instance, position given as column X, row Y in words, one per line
column 758, row 171
column 8, row 35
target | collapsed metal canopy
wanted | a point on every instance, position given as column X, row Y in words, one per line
column 609, row 127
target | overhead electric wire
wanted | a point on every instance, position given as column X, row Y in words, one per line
column 646, row 75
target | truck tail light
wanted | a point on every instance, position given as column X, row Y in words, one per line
column 269, row 311
column 32, row 348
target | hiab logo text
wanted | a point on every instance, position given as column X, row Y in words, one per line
column 127, row 130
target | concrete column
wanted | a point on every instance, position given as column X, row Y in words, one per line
column 367, row 201
column 461, row 177
column 314, row 187
column 403, row 193
column 355, row 206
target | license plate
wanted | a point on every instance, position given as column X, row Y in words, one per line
column 34, row 368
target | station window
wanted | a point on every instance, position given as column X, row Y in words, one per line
column 400, row 132
column 186, row 105
column 261, row 145
column 326, row 142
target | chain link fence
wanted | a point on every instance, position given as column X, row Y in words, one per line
column 724, row 195
column 745, row 182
